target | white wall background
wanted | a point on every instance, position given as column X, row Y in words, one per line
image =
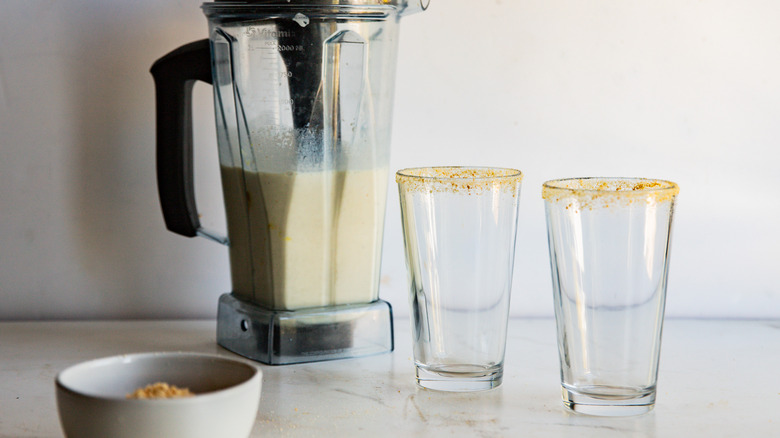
column 682, row 90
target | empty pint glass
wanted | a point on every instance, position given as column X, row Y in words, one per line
column 609, row 253
column 459, row 226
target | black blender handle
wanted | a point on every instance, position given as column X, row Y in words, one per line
column 174, row 76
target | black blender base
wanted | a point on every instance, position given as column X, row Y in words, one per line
column 281, row 337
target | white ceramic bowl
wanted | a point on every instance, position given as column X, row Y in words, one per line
column 92, row 403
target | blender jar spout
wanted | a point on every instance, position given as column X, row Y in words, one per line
column 409, row 7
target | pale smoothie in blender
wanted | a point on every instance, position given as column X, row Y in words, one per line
column 305, row 239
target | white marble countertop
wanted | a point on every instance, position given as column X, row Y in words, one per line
column 717, row 378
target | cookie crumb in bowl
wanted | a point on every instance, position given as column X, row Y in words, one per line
column 160, row 390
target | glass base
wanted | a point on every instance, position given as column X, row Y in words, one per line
column 281, row 337
column 460, row 378
column 608, row 401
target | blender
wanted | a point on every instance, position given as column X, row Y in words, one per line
column 303, row 94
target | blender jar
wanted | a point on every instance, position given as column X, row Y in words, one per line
column 303, row 94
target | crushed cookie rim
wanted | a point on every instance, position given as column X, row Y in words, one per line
column 406, row 175
column 622, row 187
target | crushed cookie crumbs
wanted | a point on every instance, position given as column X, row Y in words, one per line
column 159, row 390
column 457, row 179
column 579, row 193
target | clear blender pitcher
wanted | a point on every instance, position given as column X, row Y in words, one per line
column 303, row 94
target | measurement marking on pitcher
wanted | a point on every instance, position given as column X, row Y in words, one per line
column 273, row 75
column 273, row 47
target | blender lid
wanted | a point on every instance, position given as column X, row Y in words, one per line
column 403, row 7
column 423, row 4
